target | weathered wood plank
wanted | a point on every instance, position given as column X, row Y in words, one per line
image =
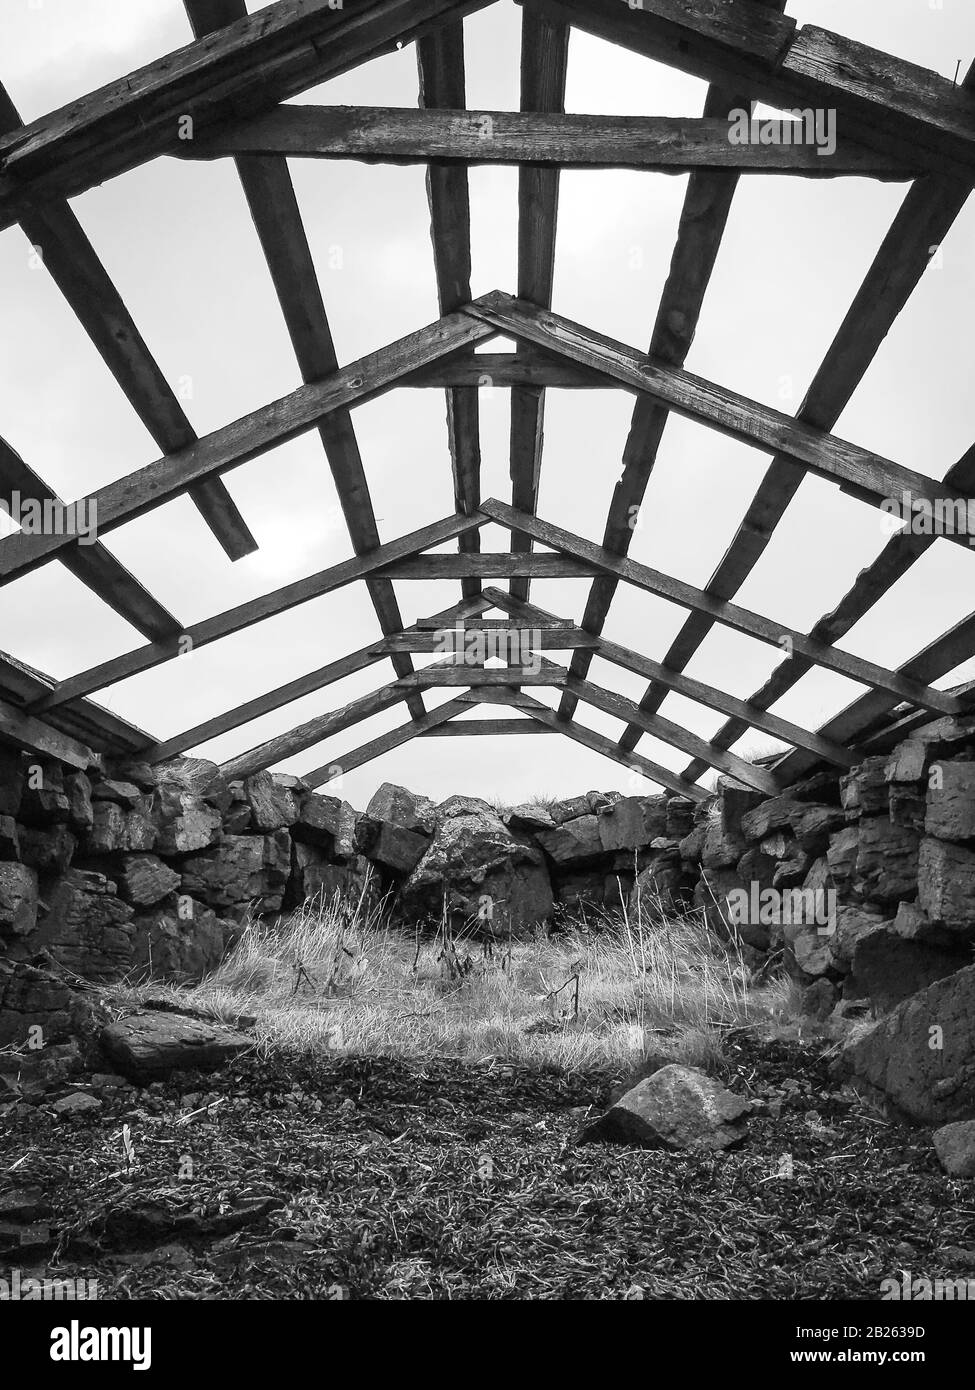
column 253, row 611
column 677, row 591
column 489, row 370
column 270, row 195
column 29, row 735
column 924, row 220
column 544, row 67
column 669, row 732
column 704, row 216
column 881, row 101
column 859, row 471
column 539, row 135
column 83, row 720
column 441, row 75
column 453, row 675
column 249, row 437
column 252, row 65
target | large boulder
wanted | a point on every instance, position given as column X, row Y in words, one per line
column 145, row 880
column 632, row 822
column 677, row 1108
column 474, row 856
column 117, row 828
column 921, row 1056
column 888, row 968
column 185, row 824
column 392, row 846
column 327, row 822
column 48, row 849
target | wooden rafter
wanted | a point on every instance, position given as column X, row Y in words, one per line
column 249, row 437
column 375, row 748
column 859, row 471
column 283, row 695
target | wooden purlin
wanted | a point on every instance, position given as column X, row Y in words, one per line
column 270, row 195
column 544, row 67
column 248, row 67
column 442, row 82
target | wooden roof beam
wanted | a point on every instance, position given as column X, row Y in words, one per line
column 544, row 67
column 882, row 101
column 441, row 73
column 540, row 135
column 432, row 722
column 859, row 471
column 270, row 195
column 277, row 698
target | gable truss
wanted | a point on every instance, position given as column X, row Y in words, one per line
column 898, row 122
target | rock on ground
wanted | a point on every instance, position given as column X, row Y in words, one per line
column 675, row 1108
column 151, row 1044
column 955, row 1146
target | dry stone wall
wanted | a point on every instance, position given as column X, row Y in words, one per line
column 862, row 884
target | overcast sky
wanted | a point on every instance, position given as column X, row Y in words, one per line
column 179, row 243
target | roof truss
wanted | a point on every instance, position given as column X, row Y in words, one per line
column 899, row 122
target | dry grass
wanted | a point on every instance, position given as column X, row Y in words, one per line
column 335, row 976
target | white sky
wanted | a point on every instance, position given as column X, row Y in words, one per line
column 178, row 241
